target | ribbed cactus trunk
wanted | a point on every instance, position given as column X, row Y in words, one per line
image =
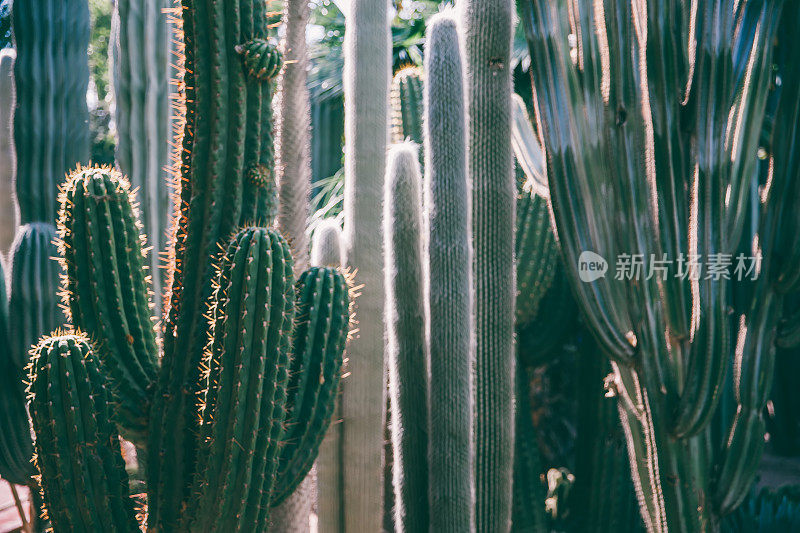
column 407, row 105
column 366, row 85
column 8, row 154
column 326, row 250
column 488, row 25
column 449, row 268
column 406, row 349
column 51, row 131
column 140, row 54
column 294, row 134
column 226, row 182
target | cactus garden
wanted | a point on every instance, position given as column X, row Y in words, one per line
column 402, row 266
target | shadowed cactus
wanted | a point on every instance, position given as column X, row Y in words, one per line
column 407, row 105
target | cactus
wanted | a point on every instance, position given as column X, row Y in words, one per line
column 488, row 30
column 294, row 171
column 326, row 249
column 669, row 337
column 244, row 404
column 318, row 339
column 449, row 268
column 33, row 303
column 83, row 478
column 406, row 350
column 8, row 153
column 106, row 291
column 407, row 105
column 51, row 131
column 139, row 54
column 16, row 447
column 366, row 86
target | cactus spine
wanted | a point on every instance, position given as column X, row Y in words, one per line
column 139, row 53
column 407, row 105
column 106, row 290
column 245, row 398
column 50, row 124
column 294, row 172
column 33, row 305
column 488, row 29
column 406, row 350
column 8, row 153
column 449, row 267
column 83, row 478
column 366, row 85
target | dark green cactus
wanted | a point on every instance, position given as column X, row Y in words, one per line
column 16, row 446
column 407, row 105
column 51, row 121
column 106, row 289
column 670, row 337
column 320, row 331
column 244, row 403
column 452, row 354
column 227, row 134
column 83, row 478
column 406, row 351
column 33, row 304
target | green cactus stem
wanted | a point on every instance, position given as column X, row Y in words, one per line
column 406, row 349
column 227, row 133
column 83, row 478
column 33, row 304
column 452, row 354
column 318, row 339
column 488, row 28
column 106, row 289
column 51, row 130
column 244, row 401
column 407, row 105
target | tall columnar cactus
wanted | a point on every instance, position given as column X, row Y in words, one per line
column 668, row 94
column 407, row 105
column 33, row 304
column 226, row 182
column 140, row 54
column 100, row 233
column 406, row 350
column 366, row 85
column 488, row 28
column 16, row 447
column 294, row 172
column 449, row 269
column 83, row 478
column 51, row 131
column 244, row 404
column 8, row 153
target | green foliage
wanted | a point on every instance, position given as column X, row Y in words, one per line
column 766, row 511
column 6, row 35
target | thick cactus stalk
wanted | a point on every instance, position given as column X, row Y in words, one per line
column 16, row 447
column 106, row 289
column 320, row 331
column 9, row 216
column 140, row 54
column 51, row 130
column 33, row 304
column 407, row 105
column 83, row 478
column 366, row 86
column 244, row 404
column 326, row 251
column 406, row 349
column 449, row 268
column 488, row 25
column 294, row 171
column 227, row 181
